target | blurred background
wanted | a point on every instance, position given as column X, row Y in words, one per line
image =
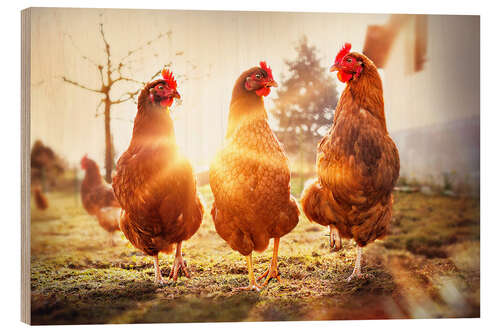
column 429, row 66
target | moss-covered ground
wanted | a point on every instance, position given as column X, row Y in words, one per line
column 428, row 267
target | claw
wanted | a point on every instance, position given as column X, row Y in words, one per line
column 272, row 271
column 269, row 274
column 355, row 275
column 179, row 263
column 250, row 287
column 160, row 282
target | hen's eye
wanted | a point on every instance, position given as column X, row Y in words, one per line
column 258, row 76
column 348, row 60
column 160, row 87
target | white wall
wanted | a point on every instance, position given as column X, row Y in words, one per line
column 433, row 114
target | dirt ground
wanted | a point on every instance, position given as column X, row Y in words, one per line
column 428, row 267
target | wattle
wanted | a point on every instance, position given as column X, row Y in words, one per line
column 167, row 102
column 343, row 76
column 264, row 91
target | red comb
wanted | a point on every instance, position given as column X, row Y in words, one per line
column 268, row 70
column 345, row 50
column 83, row 161
column 169, row 78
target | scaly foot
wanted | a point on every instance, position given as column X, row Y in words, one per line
column 270, row 273
column 158, row 278
column 356, row 274
column 160, row 282
column 179, row 263
column 251, row 287
column 335, row 240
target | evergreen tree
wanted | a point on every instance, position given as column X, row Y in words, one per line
column 305, row 103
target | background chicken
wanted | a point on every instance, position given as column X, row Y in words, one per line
column 98, row 198
column 154, row 182
column 250, row 177
column 41, row 201
column 357, row 161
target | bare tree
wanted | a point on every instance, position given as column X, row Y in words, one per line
column 110, row 74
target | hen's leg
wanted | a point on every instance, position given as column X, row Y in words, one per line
column 272, row 271
column 357, row 265
column 179, row 263
column 111, row 240
column 335, row 240
column 158, row 278
column 114, row 240
column 251, row 277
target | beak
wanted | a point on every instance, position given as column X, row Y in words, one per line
column 334, row 68
column 272, row 84
column 176, row 95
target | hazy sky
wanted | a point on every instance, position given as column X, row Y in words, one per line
column 212, row 49
column 220, row 44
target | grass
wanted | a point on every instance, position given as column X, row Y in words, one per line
column 428, row 267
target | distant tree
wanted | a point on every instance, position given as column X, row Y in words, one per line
column 305, row 103
column 46, row 166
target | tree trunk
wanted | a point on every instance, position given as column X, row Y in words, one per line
column 109, row 143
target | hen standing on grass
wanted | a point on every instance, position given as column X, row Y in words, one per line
column 250, row 177
column 154, row 182
column 357, row 161
column 98, row 198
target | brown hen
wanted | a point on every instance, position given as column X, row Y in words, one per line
column 154, row 182
column 250, row 177
column 98, row 198
column 357, row 161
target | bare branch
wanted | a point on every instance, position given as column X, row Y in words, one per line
column 106, row 44
column 143, row 46
column 108, row 55
column 82, row 55
column 100, row 67
column 129, row 96
column 124, row 78
column 123, row 119
column 65, row 79
column 123, row 100
column 156, row 74
column 97, row 114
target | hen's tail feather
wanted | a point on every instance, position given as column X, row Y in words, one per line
column 109, row 218
column 316, row 203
